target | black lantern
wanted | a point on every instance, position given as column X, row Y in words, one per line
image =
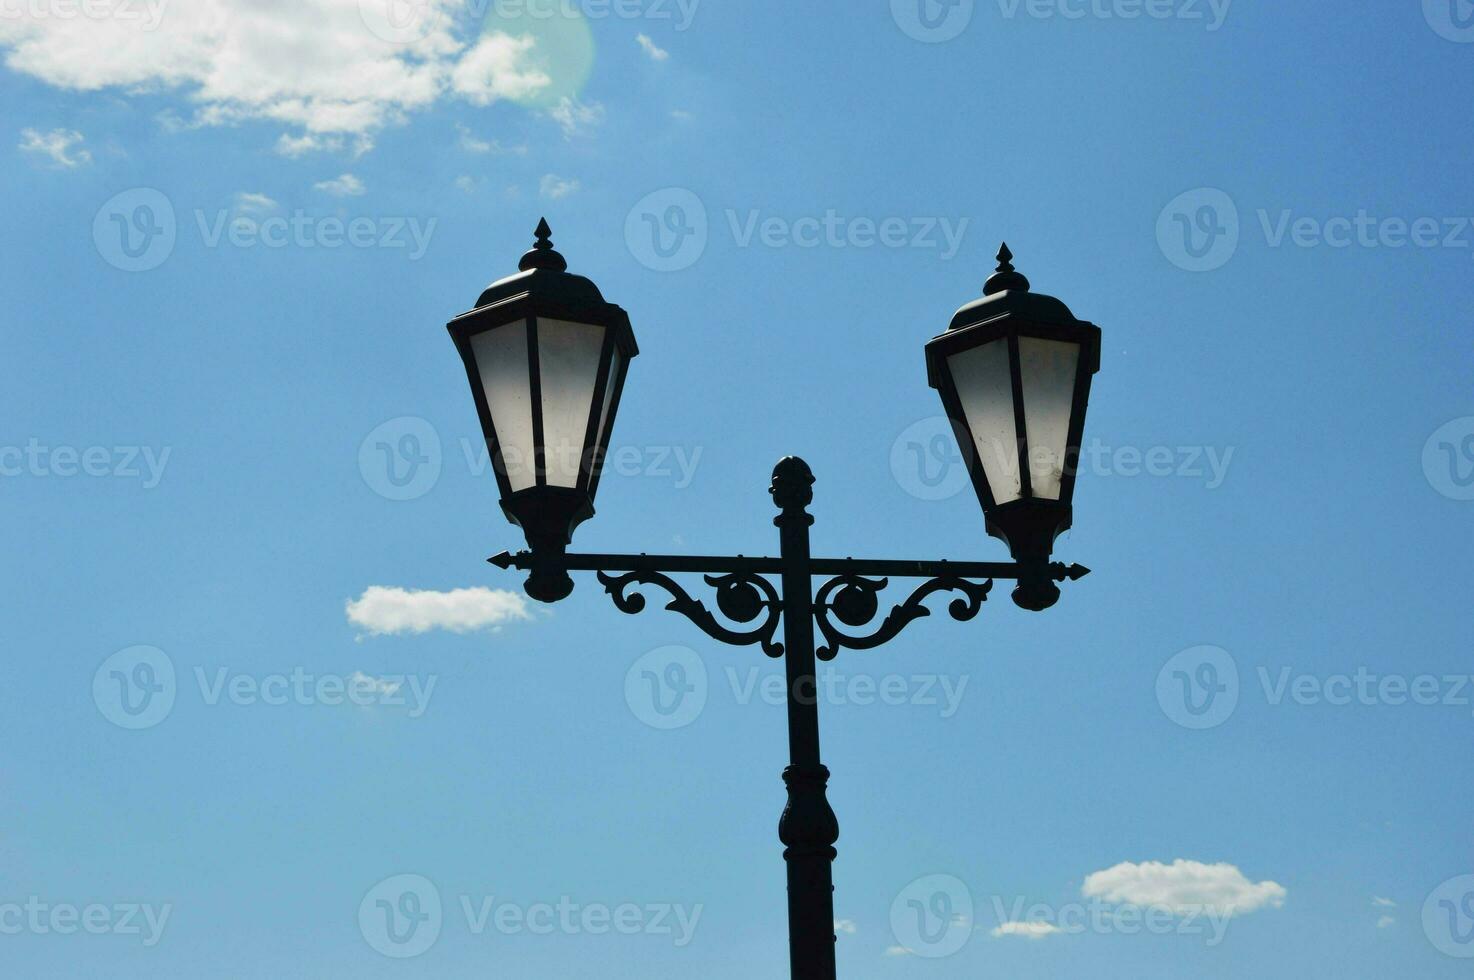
column 546, row 357
column 1014, row 371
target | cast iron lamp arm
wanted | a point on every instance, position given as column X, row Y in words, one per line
column 853, row 600
column 741, row 596
column 716, row 564
column 744, row 595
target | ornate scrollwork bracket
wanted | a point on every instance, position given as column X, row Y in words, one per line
column 853, row 600
column 741, row 597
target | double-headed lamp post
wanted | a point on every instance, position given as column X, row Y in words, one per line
column 547, row 356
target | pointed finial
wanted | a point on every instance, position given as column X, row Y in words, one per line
column 1005, row 277
column 543, row 255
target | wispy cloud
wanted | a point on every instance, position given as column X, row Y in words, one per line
column 63, row 147
column 472, row 143
column 1384, row 921
column 344, row 185
column 1383, row 903
column 898, row 951
column 295, row 146
column 576, row 118
column 655, row 52
column 250, row 208
column 249, row 203
column 387, row 610
column 381, row 686
column 846, row 926
column 554, row 187
column 1184, row 886
column 1027, row 930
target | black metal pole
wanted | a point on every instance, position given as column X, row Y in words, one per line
column 807, row 828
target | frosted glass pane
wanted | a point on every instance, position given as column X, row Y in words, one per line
column 568, row 357
column 983, row 384
column 1047, row 368
column 614, row 362
column 501, row 359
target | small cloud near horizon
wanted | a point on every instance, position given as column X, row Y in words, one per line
column 1184, row 886
column 555, row 188
column 655, row 52
column 63, row 147
column 344, row 185
column 1027, row 930
column 386, row 610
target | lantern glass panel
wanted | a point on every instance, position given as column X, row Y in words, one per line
column 984, row 386
column 614, row 364
column 1047, row 370
column 568, row 361
column 501, row 360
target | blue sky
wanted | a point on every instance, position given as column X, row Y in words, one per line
column 234, row 233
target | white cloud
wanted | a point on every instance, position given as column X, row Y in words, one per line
column 846, row 926
column 380, row 686
column 382, row 610
column 576, row 118
column 312, row 64
column 296, row 146
column 1385, row 921
column 1028, row 930
column 470, row 142
column 1183, row 886
column 898, row 951
column 344, row 185
column 680, row 115
column 554, row 187
column 494, row 69
column 63, row 147
column 466, row 184
column 1383, row 903
column 249, row 204
column 655, row 52
column 171, row 122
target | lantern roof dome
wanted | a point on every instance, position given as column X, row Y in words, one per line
column 1007, row 291
column 544, row 272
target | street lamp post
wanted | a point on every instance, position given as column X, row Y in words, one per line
column 546, row 357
